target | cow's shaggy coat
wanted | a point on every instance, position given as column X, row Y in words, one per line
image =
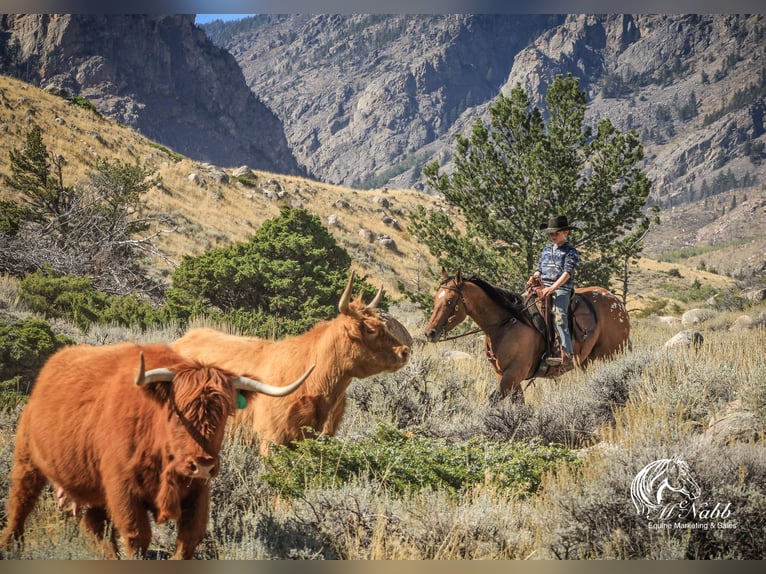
column 120, row 447
column 358, row 343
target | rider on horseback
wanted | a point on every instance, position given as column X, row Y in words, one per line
column 556, row 271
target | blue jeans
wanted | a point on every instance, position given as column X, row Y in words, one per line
column 560, row 308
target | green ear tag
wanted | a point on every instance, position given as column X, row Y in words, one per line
column 241, row 402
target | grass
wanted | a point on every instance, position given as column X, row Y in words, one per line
column 646, row 404
column 434, row 475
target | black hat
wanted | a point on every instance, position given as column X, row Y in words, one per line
column 557, row 223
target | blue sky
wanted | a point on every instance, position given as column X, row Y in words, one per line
column 205, row 18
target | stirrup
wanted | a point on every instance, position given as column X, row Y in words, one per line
column 553, row 361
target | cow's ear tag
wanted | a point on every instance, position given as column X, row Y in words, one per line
column 241, row 402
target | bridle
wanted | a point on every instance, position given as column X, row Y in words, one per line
column 458, row 300
column 459, row 290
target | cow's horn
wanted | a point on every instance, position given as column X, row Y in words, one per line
column 375, row 300
column 246, row 384
column 141, row 369
column 156, row 376
column 345, row 299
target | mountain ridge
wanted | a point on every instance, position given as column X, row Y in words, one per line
column 156, row 73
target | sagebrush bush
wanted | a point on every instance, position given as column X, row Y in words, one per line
column 402, row 463
column 423, row 467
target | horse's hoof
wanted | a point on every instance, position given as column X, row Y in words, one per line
column 495, row 397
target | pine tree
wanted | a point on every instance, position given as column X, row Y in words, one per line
column 512, row 174
column 37, row 176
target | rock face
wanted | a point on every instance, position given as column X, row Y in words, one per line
column 368, row 100
column 363, row 96
column 158, row 74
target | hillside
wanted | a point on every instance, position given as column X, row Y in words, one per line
column 365, row 101
column 158, row 74
column 214, row 206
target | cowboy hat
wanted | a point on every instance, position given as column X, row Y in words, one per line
column 557, row 223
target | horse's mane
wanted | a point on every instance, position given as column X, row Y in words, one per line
column 512, row 302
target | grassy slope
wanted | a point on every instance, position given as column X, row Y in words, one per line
column 214, row 213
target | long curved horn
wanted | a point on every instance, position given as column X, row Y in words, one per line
column 345, row 299
column 246, row 384
column 241, row 383
column 375, row 300
column 156, row 376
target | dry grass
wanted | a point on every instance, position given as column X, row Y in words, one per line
column 648, row 403
column 214, row 213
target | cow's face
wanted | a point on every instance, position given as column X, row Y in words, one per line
column 382, row 344
column 201, row 402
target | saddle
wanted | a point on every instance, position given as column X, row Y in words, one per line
column 583, row 320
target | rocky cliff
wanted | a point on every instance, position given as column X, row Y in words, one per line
column 362, row 96
column 367, row 100
column 158, row 74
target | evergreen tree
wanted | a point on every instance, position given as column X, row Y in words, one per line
column 291, row 269
column 37, row 176
column 95, row 229
column 512, row 174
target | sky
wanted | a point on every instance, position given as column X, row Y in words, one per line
column 205, row 18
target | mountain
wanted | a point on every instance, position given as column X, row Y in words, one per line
column 157, row 74
column 364, row 101
column 368, row 100
column 361, row 96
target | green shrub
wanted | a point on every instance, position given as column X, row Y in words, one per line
column 291, row 270
column 84, row 103
column 405, row 463
column 68, row 297
column 74, row 298
column 24, row 346
column 11, row 216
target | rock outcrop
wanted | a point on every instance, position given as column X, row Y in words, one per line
column 158, row 74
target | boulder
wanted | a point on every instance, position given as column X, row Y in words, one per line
column 687, row 338
column 366, row 235
column 734, row 424
column 756, row 295
column 387, row 242
column 696, row 316
column 242, row 171
column 453, row 355
column 742, row 323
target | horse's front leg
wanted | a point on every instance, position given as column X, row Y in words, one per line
column 509, row 385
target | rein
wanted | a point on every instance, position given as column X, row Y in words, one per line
column 453, row 337
column 477, row 330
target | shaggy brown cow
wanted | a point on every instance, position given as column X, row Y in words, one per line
column 120, row 441
column 360, row 342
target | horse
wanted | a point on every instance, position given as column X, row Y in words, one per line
column 514, row 346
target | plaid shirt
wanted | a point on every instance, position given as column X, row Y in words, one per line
column 555, row 260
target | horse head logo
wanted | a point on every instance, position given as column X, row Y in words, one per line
column 663, row 483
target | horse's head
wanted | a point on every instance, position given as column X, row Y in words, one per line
column 678, row 479
column 663, row 482
column 449, row 307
